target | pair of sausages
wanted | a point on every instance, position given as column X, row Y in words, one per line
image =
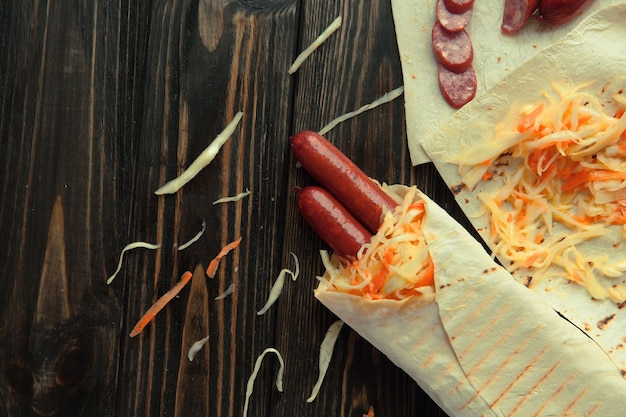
column 454, row 51
column 347, row 208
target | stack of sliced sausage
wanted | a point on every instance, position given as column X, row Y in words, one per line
column 454, row 51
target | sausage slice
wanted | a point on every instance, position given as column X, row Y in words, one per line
column 457, row 88
column 458, row 6
column 516, row 14
column 452, row 22
column 454, row 50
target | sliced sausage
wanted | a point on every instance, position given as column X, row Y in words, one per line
column 559, row 11
column 332, row 222
column 339, row 175
column 454, row 50
column 458, row 6
column 516, row 14
column 452, row 22
column 457, row 88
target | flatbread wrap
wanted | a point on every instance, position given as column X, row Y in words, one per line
column 496, row 55
column 478, row 342
column 538, row 166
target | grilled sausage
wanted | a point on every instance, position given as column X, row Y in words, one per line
column 345, row 181
column 332, row 222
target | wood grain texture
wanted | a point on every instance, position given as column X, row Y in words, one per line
column 103, row 102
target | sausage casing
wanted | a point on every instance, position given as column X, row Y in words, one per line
column 332, row 222
column 345, row 181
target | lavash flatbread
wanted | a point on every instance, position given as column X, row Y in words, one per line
column 484, row 345
column 495, row 56
column 595, row 50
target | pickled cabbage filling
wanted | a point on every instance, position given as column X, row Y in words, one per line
column 564, row 185
column 395, row 264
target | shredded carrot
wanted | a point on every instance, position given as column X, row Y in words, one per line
column 585, row 176
column 565, row 185
column 530, row 261
column 395, row 264
column 212, row 268
column 428, row 276
column 529, row 120
column 160, row 303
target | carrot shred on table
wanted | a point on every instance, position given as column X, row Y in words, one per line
column 212, row 268
column 160, row 303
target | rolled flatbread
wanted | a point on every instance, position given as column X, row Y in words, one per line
column 481, row 344
column 495, row 56
column 591, row 60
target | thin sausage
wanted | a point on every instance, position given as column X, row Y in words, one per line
column 452, row 22
column 458, row 6
column 339, row 175
column 457, row 89
column 332, row 222
column 454, row 50
column 516, row 14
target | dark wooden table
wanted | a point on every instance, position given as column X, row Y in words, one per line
column 104, row 101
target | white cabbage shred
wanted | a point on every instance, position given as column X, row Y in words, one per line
column 202, row 160
column 128, row 247
column 257, row 366
column 336, row 24
column 277, row 288
column 385, row 98
column 195, row 348
column 195, row 238
column 326, row 354
column 233, row 198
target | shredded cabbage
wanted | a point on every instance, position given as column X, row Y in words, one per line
column 277, row 288
column 232, row 198
column 128, row 247
column 564, row 185
column 255, row 371
column 395, row 264
column 332, row 28
column 195, row 238
column 326, row 354
column 195, row 348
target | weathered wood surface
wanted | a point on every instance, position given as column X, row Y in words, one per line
column 103, row 102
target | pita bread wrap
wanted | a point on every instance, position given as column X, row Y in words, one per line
column 482, row 344
column 589, row 62
column 495, row 56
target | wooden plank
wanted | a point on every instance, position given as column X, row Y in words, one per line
column 354, row 67
column 101, row 103
column 59, row 332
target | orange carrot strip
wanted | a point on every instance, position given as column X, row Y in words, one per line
column 528, row 120
column 530, row 260
column 428, row 277
column 160, row 303
column 586, row 176
column 212, row 269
